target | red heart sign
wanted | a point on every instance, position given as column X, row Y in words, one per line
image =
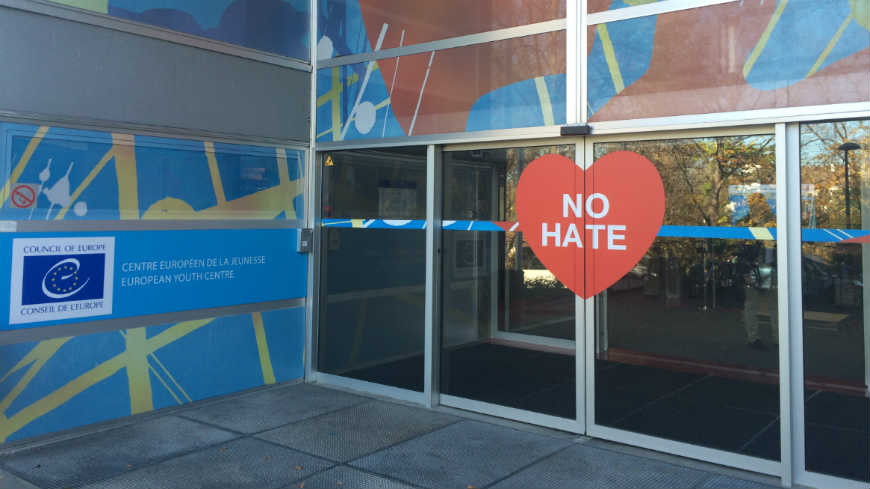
column 590, row 227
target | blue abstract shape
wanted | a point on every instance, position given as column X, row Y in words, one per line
column 618, row 4
column 632, row 41
column 341, row 21
column 211, row 374
column 198, row 363
column 73, row 154
column 376, row 91
column 246, row 170
column 275, row 26
column 518, row 105
column 802, row 33
column 167, row 167
column 295, row 163
column 74, row 358
column 104, row 401
column 10, row 355
column 285, row 333
column 299, row 205
column 206, row 13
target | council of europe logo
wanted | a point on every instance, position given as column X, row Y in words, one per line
column 61, row 278
column 55, row 279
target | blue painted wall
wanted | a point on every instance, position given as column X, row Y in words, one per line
column 66, row 382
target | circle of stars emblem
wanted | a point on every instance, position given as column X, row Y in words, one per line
column 58, row 273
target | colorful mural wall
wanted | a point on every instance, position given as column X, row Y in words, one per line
column 55, row 173
column 77, row 174
column 275, row 26
column 343, row 24
column 742, row 56
column 62, row 383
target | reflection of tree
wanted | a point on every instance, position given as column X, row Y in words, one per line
column 760, row 214
column 823, row 167
column 516, row 159
column 696, row 174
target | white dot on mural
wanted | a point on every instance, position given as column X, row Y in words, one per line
column 81, row 208
column 365, row 117
column 324, row 48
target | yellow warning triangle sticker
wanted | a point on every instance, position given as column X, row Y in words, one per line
column 328, row 161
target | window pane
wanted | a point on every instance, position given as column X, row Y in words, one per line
column 712, row 181
column 493, row 316
column 518, row 82
column 373, row 281
column 686, row 343
column 353, row 26
column 91, row 175
column 372, row 316
column 742, row 56
column 507, row 324
column 835, row 257
column 481, row 184
column 388, row 184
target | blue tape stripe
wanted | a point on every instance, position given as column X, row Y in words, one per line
column 808, row 235
column 471, row 226
column 825, row 235
column 709, row 232
column 375, row 223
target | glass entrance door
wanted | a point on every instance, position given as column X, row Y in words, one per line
column 834, row 420
column 508, row 326
column 684, row 349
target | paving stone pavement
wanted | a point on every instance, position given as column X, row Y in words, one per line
column 308, row 436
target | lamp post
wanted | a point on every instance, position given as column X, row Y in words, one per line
column 845, row 148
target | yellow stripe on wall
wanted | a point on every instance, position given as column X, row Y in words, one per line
column 213, row 169
column 610, row 57
column 263, row 349
column 138, row 372
column 546, row 104
column 765, row 36
column 829, row 47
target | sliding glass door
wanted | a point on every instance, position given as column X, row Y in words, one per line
column 683, row 349
column 835, row 264
column 373, row 268
column 765, row 236
column 508, row 325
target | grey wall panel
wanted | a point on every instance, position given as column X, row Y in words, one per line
column 60, row 67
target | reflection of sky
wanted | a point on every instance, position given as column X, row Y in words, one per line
column 814, row 151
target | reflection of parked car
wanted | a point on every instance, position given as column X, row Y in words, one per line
column 831, row 284
column 817, row 278
column 634, row 279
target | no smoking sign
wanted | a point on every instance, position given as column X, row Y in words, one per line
column 24, row 195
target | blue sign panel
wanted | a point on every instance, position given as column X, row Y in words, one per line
column 59, row 278
column 62, row 277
